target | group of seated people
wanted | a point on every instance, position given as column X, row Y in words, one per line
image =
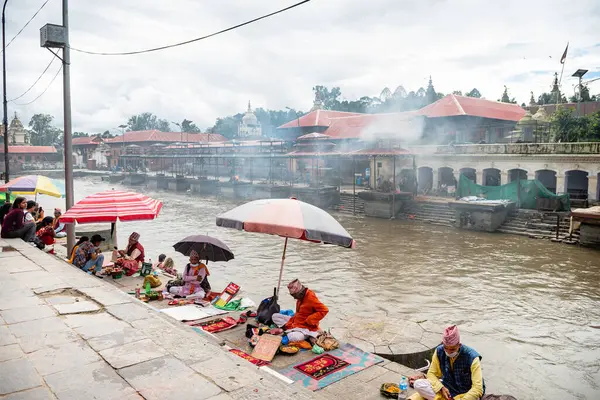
column 87, row 255
column 24, row 219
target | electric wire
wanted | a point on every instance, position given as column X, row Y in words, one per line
column 128, row 53
column 45, row 90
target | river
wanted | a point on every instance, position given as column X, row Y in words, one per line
column 528, row 306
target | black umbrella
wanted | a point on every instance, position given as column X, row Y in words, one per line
column 209, row 248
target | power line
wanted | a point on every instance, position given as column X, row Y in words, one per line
column 41, row 94
column 27, row 23
column 36, row 81
column 128, row 53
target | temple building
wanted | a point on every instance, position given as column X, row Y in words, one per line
column 17, row 135
column 250, row 126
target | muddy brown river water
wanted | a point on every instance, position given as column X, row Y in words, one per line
column 528, row 306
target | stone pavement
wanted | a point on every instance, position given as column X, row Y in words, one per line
column 67, row 335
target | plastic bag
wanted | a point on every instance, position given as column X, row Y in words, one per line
column 267, row 308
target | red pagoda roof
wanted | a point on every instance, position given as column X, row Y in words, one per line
column 453, row 105
column 362, row 125
column 316, row 118
column 158, row 136
column 29, row 149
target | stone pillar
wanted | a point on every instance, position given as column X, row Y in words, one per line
column 479, row 177
column 435, row 178
column 560, row 184
column 592, row 187
column 503, row 177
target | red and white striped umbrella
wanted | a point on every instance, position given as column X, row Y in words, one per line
column 112, row 205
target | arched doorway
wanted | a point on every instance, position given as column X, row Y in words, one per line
column 576, row 184
column 491, row 177
column 469, row 173
column 425, row 179
column 515, row 174
column 406, row 180
column 547, row 178
column 446, row 176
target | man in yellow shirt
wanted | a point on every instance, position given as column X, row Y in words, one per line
column 455, row 372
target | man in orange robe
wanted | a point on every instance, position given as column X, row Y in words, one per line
column 309, row 312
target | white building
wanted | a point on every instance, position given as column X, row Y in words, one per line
column 249, row 127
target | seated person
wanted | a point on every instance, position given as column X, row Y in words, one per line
column 81, row 240
column 14, row 226
column 309, row 312
column 455, row 372
column 88, row 256
column 59, row 227
column 46, row 233
column 167, row 265
column 194, row 280
column 130, row 258
column 161, row 260
column 29, row 211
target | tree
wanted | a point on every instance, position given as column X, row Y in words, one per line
column 457, row 92
column 147, row 121
column 474, row 93
column 566, row 127
column 42, row 133
column 189, row 127
column 328, row 98
column 585, row 95
column 506, row 98
column 227, row 126
column 80, row 134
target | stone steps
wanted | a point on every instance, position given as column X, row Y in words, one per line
column 432, row 213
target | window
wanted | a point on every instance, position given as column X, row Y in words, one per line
column 27, row 158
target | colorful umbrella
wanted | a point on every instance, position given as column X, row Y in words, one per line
column 289, row 218
column 208, row 248
column 112, row 205
column 34, row 184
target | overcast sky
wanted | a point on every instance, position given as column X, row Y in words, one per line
column 361, row 46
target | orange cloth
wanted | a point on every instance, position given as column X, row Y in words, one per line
column 309, row 312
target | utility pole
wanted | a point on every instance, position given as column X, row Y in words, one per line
column 4, row 103
column 57, row 37
column 67, row 122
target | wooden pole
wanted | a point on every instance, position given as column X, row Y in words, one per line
column 282, row 262
column 394, row 191
column 354, row 185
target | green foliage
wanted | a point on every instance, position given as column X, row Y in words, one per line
column 550, row 98
column 41, row 131
column 567, row 127
column 147, row 121
column 227, row 126
column 585, row 95
column 80, row 134
column 474, row 93
column 189, row 127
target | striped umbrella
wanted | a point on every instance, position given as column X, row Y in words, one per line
column 289, row 218
column 34, row 184
column 112, row 205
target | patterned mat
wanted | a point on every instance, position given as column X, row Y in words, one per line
column 355, row 359
column 319, row 367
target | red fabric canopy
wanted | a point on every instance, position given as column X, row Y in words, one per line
column 112, row 205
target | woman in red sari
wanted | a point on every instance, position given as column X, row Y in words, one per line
column 132, row 256
column 46, row 233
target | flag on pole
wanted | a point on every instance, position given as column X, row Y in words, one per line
column 564, row 56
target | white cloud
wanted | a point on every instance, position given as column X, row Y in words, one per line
column 357, row 45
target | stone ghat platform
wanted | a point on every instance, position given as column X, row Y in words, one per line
column 68, row 335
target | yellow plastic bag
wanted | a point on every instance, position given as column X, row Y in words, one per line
column 153, row 280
